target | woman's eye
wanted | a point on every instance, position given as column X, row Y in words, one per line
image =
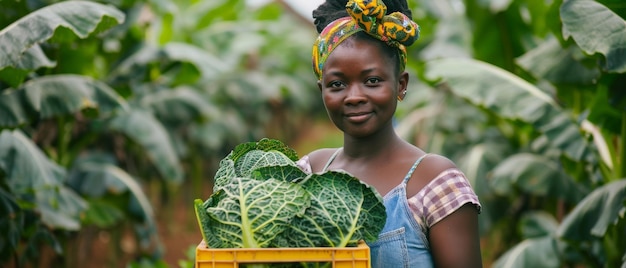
column 335, row 84
column 372, row 80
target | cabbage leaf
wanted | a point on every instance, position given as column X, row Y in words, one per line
column 249, row 156
column 343, row 211
column 250, row 213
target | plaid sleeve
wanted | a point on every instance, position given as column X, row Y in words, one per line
column 442, row 196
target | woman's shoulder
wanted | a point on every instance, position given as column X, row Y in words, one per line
column 430, row 167
column 317, row 159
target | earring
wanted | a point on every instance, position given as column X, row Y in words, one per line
column 400, row 98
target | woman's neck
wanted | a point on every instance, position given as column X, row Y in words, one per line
column 373, row 146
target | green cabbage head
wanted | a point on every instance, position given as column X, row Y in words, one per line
column 262, row 199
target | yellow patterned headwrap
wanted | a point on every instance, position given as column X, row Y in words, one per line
column 396, row 29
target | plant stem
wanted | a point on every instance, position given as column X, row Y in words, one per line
column 622, row 149
column 65, row 133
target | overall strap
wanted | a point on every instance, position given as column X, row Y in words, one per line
column 410, row 173
column 330, row 160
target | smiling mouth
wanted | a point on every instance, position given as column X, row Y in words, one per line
column 358, row 117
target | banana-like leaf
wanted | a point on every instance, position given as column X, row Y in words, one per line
column 210, row 67
column 591, row 218
column 11, row 226
column 35, row 178
column 180, row 106
column 536, row 175
column 536, row 224
column 56, row 95
column 557, row 65
column 97, row 175
column 19, row 42
column 207, row 65
column 229, row 128
column 12, row 111
column 535, row 252
column 596, row 29
column 497, row 5
column 142, row 127
column 512, row 98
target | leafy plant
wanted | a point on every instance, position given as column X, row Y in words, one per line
column 262, row 199
column 108, row 109
column 531, row 108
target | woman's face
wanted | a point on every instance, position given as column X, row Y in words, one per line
column 360, row 87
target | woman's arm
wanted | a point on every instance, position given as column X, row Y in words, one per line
column 452, row 214
column 455, row 241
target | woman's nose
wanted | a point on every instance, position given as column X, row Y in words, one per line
column 355, row 95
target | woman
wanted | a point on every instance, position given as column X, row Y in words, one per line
column 359, row 58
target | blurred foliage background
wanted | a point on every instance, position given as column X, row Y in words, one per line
column 114, row 115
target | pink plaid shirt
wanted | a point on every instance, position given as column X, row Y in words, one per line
column 441, row 197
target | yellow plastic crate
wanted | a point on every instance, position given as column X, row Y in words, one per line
column 358, row 256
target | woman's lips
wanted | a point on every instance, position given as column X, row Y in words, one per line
column 358, row 117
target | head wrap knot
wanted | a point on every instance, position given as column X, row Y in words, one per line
column 396, row 30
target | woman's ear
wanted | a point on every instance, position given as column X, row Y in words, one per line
column 319, row 85
column 403, row 82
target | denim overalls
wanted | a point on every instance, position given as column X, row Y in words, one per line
column 402, row 243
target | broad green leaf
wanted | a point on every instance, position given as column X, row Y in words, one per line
column 115, row 181
column 477, row 163
column 32, row 59
column 143, row 128
column 12, row 225
column 252, row 213
column 102, row 214
column 134, row 67
column 180, row 106
column 343, row 211
column 57, row 95
column 596, row 29
column 512, row 98
column 206, row 13
column 98, row 177
column 558, row 65
column 12, row 111
column 497, row 36
column 537, row 224
column 210, row 67
column 88, row 175
column 215, row 135
column 81, row 17
column 605, row 116
column 535, row 252
column 452, row 39
column 591, row 218
column 35, row 178
column 535, row 175
column 497, row 5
